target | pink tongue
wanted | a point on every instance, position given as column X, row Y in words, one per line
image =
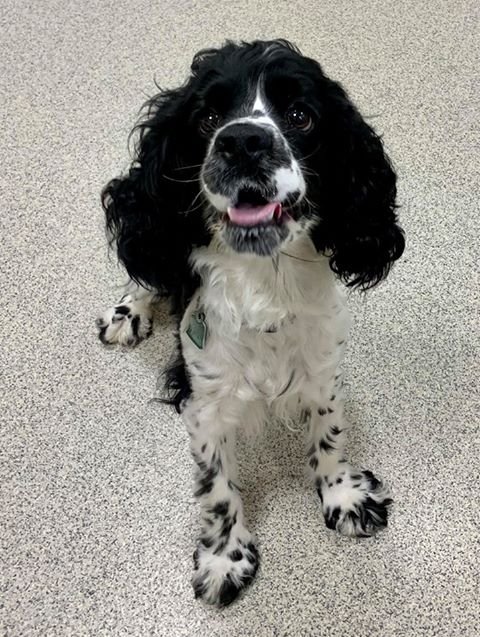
column 253, row 215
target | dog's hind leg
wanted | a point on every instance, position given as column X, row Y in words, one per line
column 130, row 320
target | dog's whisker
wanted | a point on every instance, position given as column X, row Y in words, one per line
column 181, row 181
column 188, row 167
column 190, row 208
column 310, row 154
column 293, row 256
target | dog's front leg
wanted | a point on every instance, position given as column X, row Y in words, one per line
column 354, row 502
column 226, row 558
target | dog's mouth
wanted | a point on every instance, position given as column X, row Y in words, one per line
column 253, row 209
column 255, row 215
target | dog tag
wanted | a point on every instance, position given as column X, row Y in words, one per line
column 197, row 329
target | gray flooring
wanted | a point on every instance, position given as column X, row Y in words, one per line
column 97, row 518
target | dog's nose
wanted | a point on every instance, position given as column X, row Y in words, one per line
column 248, row 140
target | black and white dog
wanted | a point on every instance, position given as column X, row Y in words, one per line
column 255, row 187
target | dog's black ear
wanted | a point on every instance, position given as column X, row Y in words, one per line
column 358, row 226
column 150, row 211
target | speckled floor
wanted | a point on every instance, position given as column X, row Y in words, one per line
column 97, row 519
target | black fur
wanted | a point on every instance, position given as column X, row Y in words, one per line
column 177, row 381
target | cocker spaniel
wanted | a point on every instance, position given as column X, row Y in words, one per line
column 256, row 187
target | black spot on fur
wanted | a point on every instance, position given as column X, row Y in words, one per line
column 221, row 546
column 325, row 446
column 331, row 517
column 339, row 480
column 235, row 556
column 206, row 541
column 204, row 446
column 335, row 430
column 122, row 309
column 205, row 481
column 374, row 482
column 313, row 462
column 226, row 527
column 330, row 410
column 221, row 508
column 135, row 325
column 252, row 556
column 322, row 411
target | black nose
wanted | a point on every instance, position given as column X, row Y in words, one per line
column 243, row 139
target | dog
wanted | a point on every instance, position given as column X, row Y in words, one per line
column 256, row 188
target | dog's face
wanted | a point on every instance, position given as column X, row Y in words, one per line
column 274, row 149
column 261, row 115
column 260, row 126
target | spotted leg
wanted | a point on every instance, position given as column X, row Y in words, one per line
column 226, row 558
column 354, row 502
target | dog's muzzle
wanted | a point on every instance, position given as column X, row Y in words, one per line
column 244, row 179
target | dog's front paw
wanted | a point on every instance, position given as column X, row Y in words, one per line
column 219, row 578
column 355, row 503
column 127, row 323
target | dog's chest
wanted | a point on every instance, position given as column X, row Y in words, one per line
column 262, row 333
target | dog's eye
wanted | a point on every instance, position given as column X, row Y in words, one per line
column 299, row 118
column 209, row 122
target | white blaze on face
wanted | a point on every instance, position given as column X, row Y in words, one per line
column 287, row 179
column 258, row 104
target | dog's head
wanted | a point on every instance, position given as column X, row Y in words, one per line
column 256, row 149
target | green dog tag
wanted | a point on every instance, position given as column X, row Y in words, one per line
column 197, row 329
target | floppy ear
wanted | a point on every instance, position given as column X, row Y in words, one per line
column 150, row 212
column 358, row 226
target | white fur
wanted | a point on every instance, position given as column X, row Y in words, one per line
column 259, row 104
column 289, row 180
